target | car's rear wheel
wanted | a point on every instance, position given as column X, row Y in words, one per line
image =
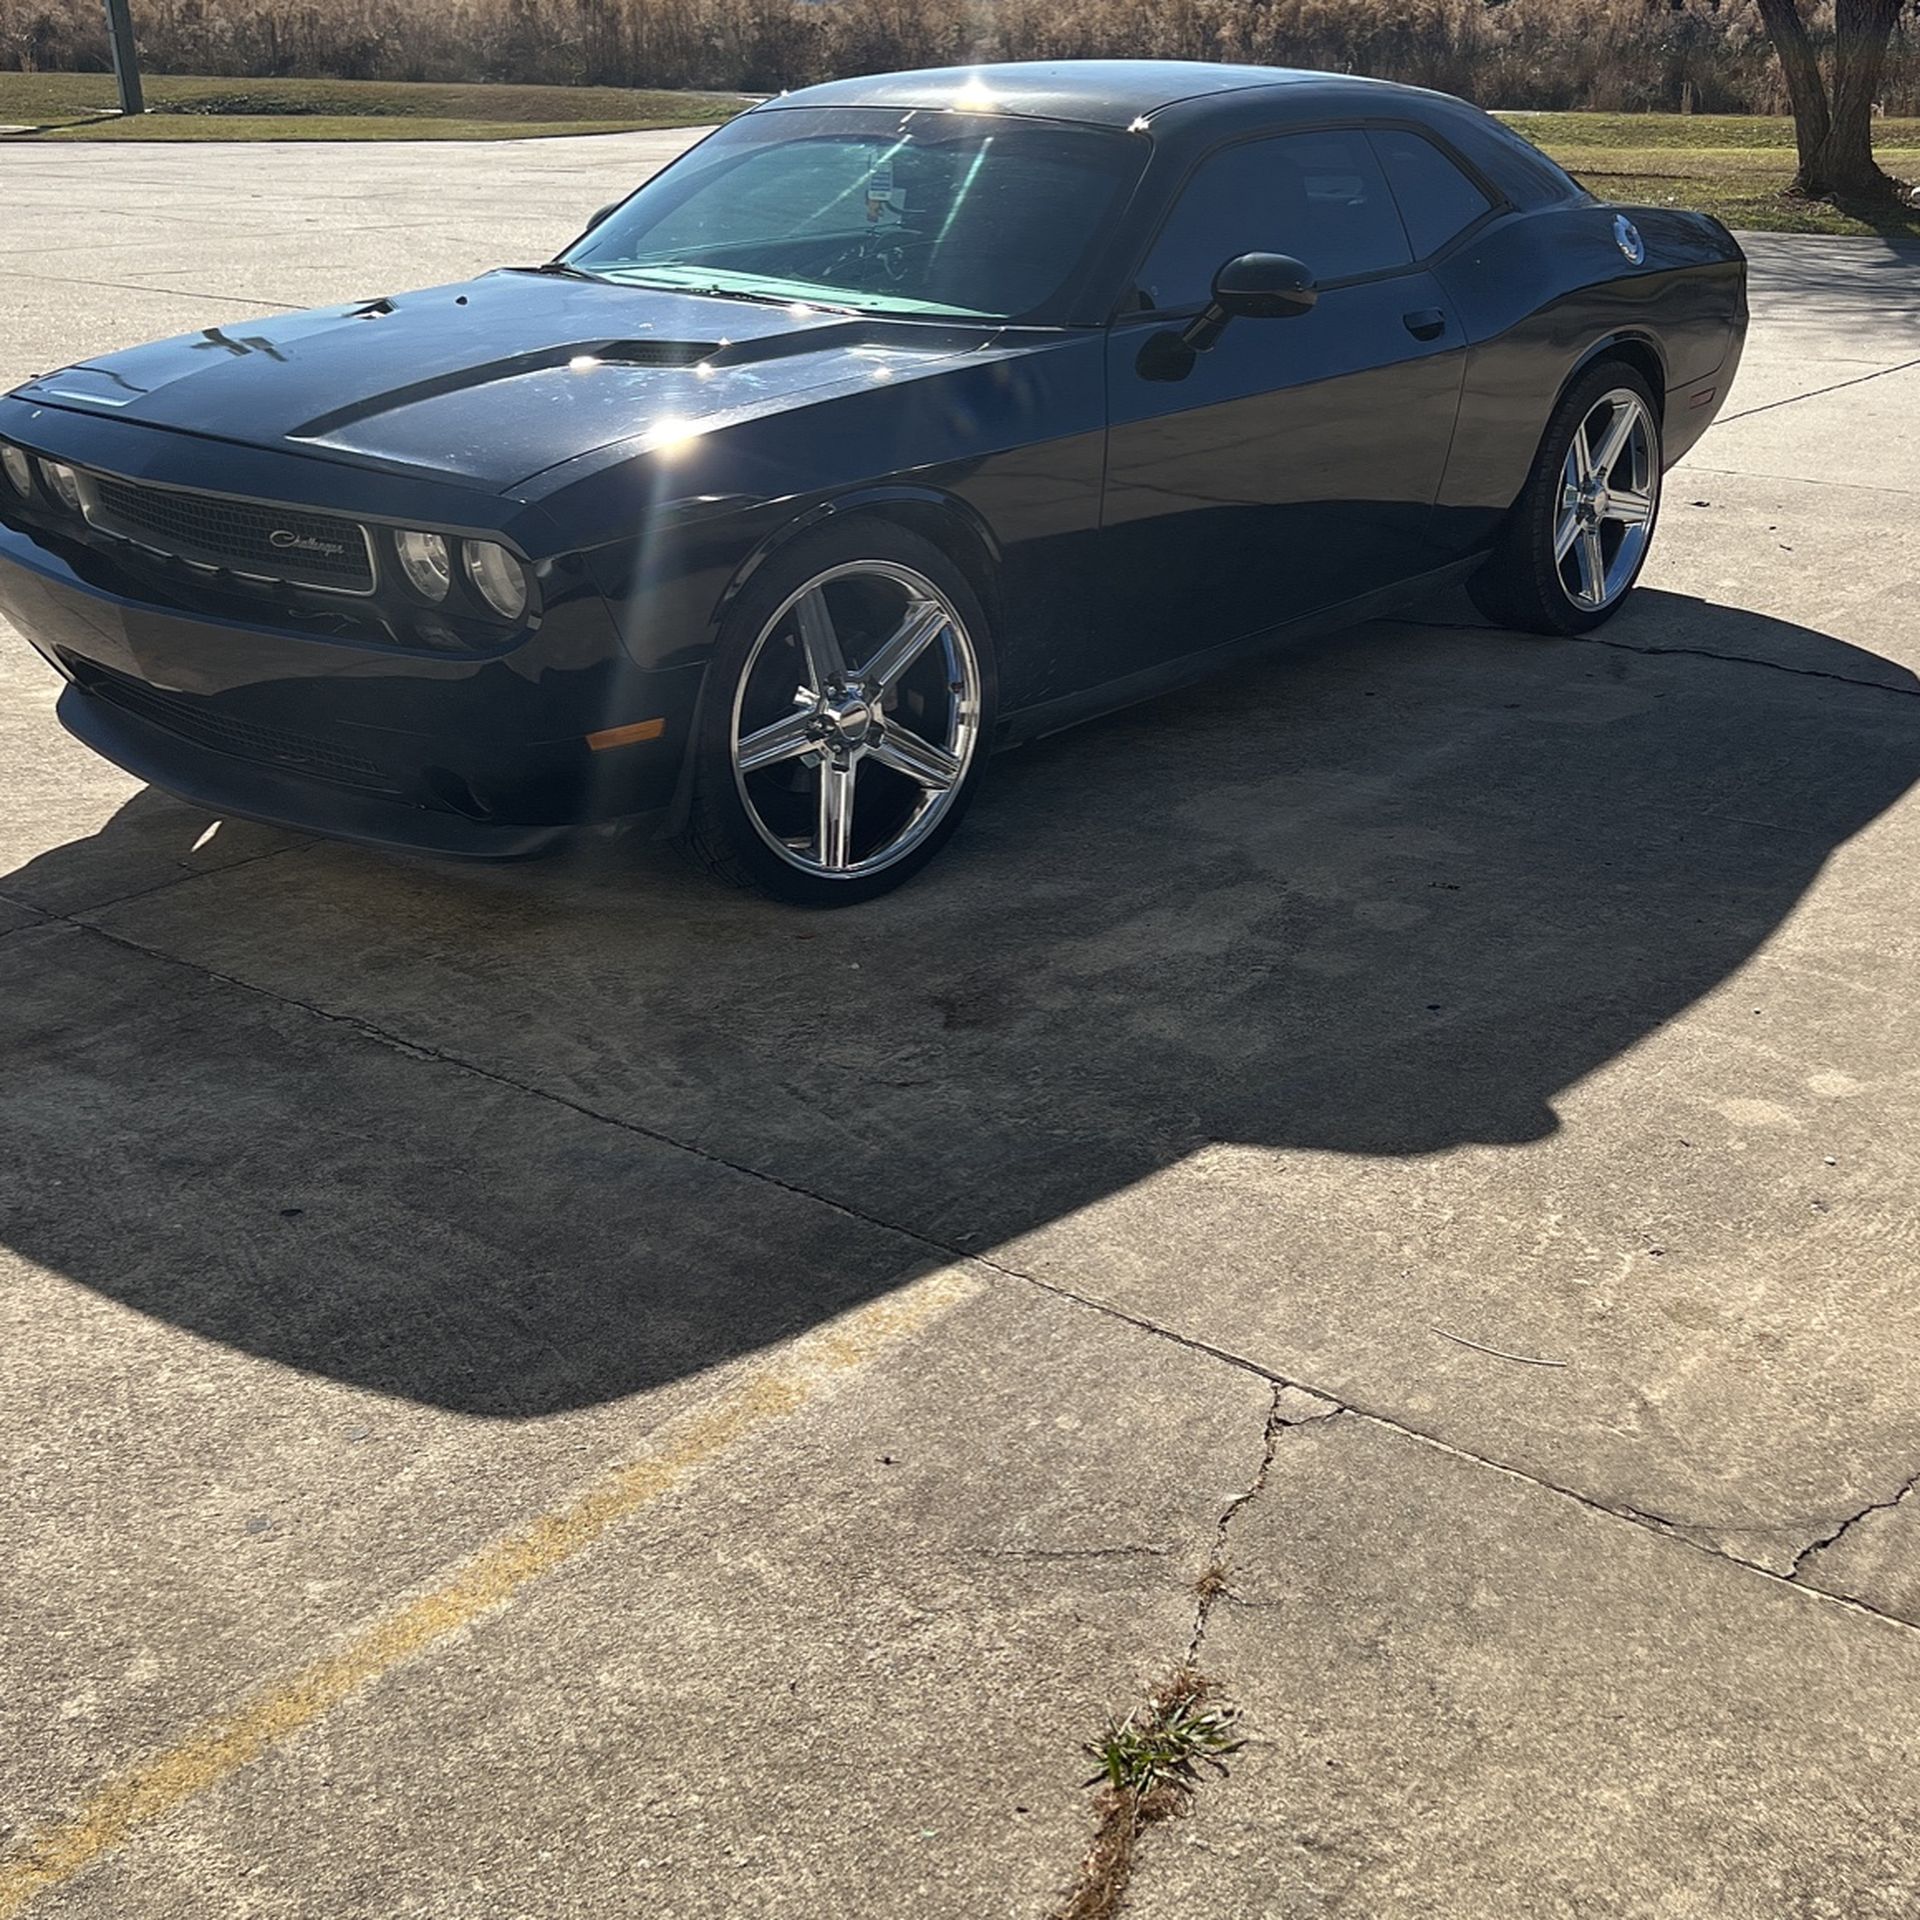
column 846, row 719
column 1580, row 531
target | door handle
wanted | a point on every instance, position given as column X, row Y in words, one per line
column 1425, row 323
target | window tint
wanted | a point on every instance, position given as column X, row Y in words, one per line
column 1436, row 198
column 1320, row 197
column 928, row 212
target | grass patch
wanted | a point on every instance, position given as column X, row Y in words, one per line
column 1712, row 131
column 344, row 127
column 1150, row 1764
column 1733, row 166
column 187, row 108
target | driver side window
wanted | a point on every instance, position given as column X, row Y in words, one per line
column 1320, row 197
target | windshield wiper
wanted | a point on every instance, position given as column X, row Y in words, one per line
column 560, row 268
column 740, row 293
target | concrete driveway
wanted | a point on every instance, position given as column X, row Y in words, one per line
column 559, row 1391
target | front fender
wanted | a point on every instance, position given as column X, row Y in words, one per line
column 955, row 525
column 999, row 458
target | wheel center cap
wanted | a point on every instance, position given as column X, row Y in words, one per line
column 849, row 720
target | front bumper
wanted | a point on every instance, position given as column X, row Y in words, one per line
column 234, row 787
column 480, row 757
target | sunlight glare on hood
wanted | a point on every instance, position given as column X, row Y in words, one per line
column 672, row 432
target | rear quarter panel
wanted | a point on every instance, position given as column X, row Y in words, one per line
column 1541, row 293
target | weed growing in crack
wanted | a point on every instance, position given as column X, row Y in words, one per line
column 1150, row 1764
column 1161, row 1749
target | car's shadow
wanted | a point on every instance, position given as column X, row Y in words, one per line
column 1389, row 896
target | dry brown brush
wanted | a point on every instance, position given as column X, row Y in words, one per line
column 1620, row 55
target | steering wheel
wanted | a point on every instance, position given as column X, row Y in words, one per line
column 890, row 249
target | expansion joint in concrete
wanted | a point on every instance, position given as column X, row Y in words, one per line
column 1814, row 393
column 949, row 1254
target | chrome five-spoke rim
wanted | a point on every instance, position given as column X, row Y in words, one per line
column 1608, row 490
column 856, row 719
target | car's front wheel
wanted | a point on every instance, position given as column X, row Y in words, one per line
column 846, row 720
column 1579, row 533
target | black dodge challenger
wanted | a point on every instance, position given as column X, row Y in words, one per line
column 901, row 419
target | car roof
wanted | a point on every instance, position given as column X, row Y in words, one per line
column 1106, row 93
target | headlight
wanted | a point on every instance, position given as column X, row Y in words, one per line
column 498, row 577
column 62, row 482
column 426, row 563
column 19, row 471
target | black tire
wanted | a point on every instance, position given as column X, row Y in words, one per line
column 727, row 832
column 1522, row 584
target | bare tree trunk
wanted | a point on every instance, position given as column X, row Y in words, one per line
column 1805, row 89
column 1834, row 131
column 1861, row 31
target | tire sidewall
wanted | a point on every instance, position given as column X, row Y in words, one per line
column 717, row 797
column 1543, row 503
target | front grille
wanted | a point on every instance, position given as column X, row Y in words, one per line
column 203, row 723
column 275, row 543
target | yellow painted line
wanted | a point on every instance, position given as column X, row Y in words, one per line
column 46, row 1856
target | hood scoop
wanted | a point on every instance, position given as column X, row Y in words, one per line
column 656, row 353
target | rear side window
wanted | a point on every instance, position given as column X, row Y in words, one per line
column 1436, row 199
column 1320, row 197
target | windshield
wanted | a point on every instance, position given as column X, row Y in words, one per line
column 959, row 214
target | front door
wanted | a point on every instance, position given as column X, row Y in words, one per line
column 1295, row 464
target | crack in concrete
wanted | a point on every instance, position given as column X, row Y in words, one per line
column 1124, row 1550
column 1290, row 1406
column 951, row 1255
column 1689, row 653
column 1213, row 1578
column 1798, row 480
column 244, row 301
column 71, row 917
column 1106, row 1872
column 194, row 873
column 1847, row 1525
column 1750, row 660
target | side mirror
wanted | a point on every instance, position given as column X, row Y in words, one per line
column 612, row 206
column 1264, row 286
column 1255, row 286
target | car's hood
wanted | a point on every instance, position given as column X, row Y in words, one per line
column 497, row 379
